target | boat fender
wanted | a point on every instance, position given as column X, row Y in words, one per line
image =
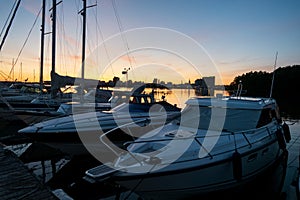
column 286, row 132
column 237, row 165
column 280, row 139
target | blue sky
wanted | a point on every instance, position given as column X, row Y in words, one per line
column 238, row 36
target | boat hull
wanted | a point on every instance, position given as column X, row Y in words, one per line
column 79, row 142
column 197, row 158
column 204, row 179
column 72, row 143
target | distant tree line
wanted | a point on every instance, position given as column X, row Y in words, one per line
column 285, row 88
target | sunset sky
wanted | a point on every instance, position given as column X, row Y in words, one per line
column 172, row 40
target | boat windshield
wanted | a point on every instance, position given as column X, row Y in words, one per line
column 206, row 117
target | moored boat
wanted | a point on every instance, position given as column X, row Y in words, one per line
column 217, row 144
column 66, row 133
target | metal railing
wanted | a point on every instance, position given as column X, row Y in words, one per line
column 195, row 137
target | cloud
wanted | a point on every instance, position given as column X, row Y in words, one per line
column 137, row 56
column 75, row 57
column 70, row 40
column 31, row 6
column 238, row 61
column 129, row 59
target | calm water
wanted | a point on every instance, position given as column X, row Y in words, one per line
column 180, row 96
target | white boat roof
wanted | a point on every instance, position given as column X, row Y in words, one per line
column 232, row 102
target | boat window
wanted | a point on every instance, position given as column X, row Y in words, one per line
column 133, row 100
column 149, row 100
column 204, row 117
column 266, row 117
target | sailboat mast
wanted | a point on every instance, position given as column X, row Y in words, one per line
column 9, row 25
column 83, row 13
column 54, row 4
column 21, row 71
column 42, row 43
column 13, row 69
column 53, row 34
column 83, row 38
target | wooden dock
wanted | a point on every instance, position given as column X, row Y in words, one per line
column 17, row 182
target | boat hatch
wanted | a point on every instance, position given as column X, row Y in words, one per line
column 101, row 171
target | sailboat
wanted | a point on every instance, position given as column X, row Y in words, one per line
column 45, row 105
column 62, row 133
column 57, row 81
column 16, row 99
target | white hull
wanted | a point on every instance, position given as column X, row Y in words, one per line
column 202, row 180
column 89, row 142
column 32, row 117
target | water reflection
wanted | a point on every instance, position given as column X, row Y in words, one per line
column 180, row 96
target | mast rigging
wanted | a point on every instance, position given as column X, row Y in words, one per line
column 9, row 25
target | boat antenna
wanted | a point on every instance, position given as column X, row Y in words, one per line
column 272, row 84
column 239, row 89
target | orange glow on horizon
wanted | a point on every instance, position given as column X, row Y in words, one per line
column 34, row 75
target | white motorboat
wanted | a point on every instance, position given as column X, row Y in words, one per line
column 66, row 133
column 217, row 144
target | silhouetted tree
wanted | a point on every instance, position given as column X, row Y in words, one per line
column 286, row 86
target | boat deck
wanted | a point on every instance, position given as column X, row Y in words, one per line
column 17, row 182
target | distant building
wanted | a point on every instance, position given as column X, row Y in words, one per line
column 210, row 82
column 205, row 86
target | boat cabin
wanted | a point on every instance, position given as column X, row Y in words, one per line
column 230, row 113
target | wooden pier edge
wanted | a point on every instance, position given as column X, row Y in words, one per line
column 17, row 181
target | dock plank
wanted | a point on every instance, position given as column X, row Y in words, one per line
column 17, row 182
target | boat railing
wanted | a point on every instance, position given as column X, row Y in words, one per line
column 128, row 126
column 195, row 137
column 104, row 135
